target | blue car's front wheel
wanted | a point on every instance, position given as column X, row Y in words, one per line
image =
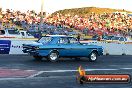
column 93, row 56
column 53, row 56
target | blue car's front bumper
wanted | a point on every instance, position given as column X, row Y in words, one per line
column 100, row 51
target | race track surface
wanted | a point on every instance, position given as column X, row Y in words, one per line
column 22, row 71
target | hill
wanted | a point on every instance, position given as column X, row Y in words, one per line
column 88, row 10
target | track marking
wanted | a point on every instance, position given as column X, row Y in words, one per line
column 31, row 76
column 62, row 71
column 77, row 70
column 30, row 70
column 126, row 68
column 11, row 78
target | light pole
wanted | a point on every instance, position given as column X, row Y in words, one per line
column 41, row 17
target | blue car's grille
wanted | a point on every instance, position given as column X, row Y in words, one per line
column 27, row 49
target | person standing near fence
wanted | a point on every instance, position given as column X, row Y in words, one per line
column 78, row 37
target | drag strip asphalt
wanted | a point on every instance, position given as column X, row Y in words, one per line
column 23, row 71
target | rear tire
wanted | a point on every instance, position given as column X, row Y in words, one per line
column 93, row 56
column 38, row 58
column 53, row 56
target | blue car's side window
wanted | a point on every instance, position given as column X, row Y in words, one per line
column 63, row 41
column 45, row 40
column 73, row 41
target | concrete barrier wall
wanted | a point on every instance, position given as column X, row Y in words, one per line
column 14, row 46
column 113, row 48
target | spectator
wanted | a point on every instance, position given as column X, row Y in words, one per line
column 78, row 37
column 112, row 23
column 37, row 35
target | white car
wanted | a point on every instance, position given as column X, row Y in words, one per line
column 12, row 33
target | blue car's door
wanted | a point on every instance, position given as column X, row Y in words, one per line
column 71, row 47
column 64, row 47
column 78, row 50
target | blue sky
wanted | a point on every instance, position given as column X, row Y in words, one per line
column 54, row 5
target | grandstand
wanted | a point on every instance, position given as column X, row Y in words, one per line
column 88, row 21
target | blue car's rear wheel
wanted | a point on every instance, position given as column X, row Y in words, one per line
column 93, row 56
column 53, row 56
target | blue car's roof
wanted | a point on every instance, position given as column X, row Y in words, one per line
column 57, row 36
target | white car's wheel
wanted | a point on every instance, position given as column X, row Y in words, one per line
column 93, row 57
column 53, row 56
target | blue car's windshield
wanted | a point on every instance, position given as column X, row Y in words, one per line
column 44, row 40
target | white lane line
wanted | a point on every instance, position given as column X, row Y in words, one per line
column 126, row 68
column 31, row 76
column 10, row 79
column 62, row 71
column 52, row 71
column 58, row 71
column 77, row 70
column 99, row 69
column 30, row 70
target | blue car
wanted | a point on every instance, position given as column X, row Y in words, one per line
column 53, row 47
